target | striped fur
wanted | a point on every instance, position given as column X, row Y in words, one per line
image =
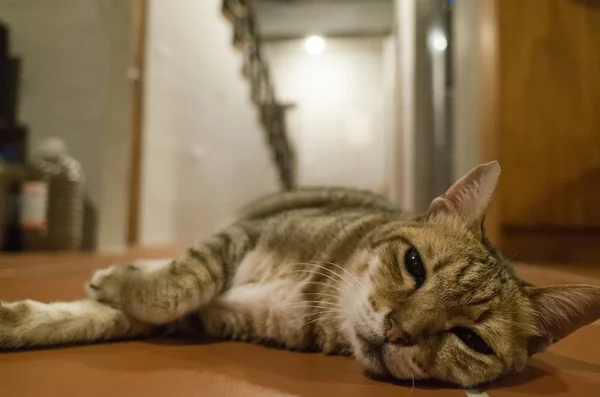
column 322, row 269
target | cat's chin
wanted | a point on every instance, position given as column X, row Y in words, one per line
column 369, row 354
column 400, row 362
column 373, row 365
column 385, row 360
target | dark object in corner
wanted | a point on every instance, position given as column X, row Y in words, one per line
column 13, row 138
column 12, row 135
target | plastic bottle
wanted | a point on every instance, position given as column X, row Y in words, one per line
column 33, row 208
column 52, row 199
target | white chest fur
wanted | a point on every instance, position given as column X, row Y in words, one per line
column 264, row 302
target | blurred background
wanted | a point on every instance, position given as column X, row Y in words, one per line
column 149, row 122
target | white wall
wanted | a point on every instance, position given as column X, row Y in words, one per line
column 337, row 126
column 475, row 97
column 393, row 178
column 75, row 54
column 204, row 154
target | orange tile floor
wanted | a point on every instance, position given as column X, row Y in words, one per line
column 170, row 368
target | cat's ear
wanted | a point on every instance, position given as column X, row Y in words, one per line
column 561, row 310
column 470, row 196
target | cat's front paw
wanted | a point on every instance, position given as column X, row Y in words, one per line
column 107, row 285
column 145, row 290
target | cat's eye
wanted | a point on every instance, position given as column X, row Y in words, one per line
column 472, row 340
column 414, row 265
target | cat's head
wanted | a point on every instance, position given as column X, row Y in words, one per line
column 436, row 301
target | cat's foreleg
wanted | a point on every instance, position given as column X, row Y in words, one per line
column 160, row 292
column 34, row 324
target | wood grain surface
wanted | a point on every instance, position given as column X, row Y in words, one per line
column 550, row 113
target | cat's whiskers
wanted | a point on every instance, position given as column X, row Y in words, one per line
column 321, row 294
column 325, row 285
column 310, row 304
column 350, row 274
column 513, row 256
column 335, row 328
column 339, row 282
column 318, row 318
column 342, row 278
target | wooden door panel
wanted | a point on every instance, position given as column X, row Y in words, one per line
column 549, row 137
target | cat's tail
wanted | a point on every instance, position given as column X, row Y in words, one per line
column 33, row 324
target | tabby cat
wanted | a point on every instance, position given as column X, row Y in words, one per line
column 339, row 271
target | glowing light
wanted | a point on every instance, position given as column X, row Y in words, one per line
column 314, row 45
column 438, row 41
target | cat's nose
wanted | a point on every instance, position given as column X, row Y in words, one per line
column 395, row 334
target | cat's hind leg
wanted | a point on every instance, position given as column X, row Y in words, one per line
column 160, row 292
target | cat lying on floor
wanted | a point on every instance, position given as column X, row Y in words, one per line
column 340, row 271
